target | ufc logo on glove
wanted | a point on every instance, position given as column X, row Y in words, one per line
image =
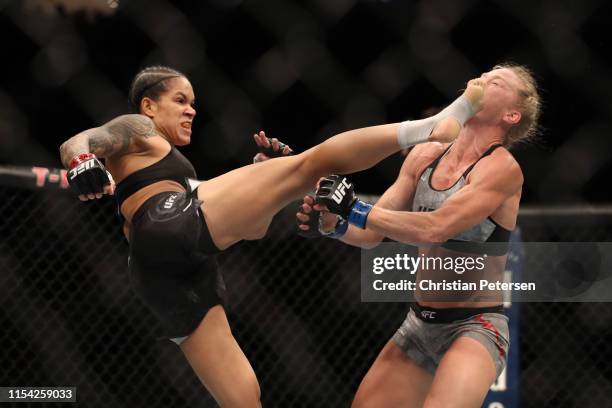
column 86, row 165
column 341, row 191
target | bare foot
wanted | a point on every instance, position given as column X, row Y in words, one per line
column 448, row 129
column 475, row 91
column 445, row 131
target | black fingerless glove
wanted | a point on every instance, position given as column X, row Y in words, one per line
column 271, row 153
column 338, row 195
column 87, row 175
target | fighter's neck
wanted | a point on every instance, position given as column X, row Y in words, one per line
column 474, row 140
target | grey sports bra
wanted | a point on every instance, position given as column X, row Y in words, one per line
column 427, row 198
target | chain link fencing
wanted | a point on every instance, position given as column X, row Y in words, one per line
column 69, row 316
column 301, row 70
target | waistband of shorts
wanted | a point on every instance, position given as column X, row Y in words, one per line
column 449, row 315
column 143, row 207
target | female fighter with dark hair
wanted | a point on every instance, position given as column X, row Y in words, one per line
column 174, row 233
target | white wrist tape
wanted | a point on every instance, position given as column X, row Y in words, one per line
column 413, row 132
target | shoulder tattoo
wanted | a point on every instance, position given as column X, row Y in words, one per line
column 115, row 136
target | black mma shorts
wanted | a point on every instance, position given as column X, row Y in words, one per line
column 172, row 263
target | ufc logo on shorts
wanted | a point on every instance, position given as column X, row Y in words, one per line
column 428, row 314
column 170, row 201
column 340, row 191
column 86, row 165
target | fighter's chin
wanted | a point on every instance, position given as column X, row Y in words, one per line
column 182, row 141
column 183, row 137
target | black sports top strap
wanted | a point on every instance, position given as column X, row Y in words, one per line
column 434, row 163
column 488, row 152
column 174, row 166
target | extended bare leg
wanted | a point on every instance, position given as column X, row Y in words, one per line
column 240, row 204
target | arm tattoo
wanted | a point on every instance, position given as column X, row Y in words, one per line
column 109, row 139
column 115, row 136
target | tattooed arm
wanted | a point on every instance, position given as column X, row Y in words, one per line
column 117, row 137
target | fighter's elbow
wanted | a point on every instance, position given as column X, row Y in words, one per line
column 63, row 148
column 64, row 154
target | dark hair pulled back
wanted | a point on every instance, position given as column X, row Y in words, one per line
column 150, row 82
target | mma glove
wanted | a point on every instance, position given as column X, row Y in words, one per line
column 338, row 195
column 270, row 153
column 315, row 225
column 87, row 175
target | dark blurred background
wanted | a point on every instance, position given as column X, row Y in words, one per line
column 305, row 70
column 302, row 71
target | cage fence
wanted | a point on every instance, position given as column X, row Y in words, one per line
column 69, row 316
